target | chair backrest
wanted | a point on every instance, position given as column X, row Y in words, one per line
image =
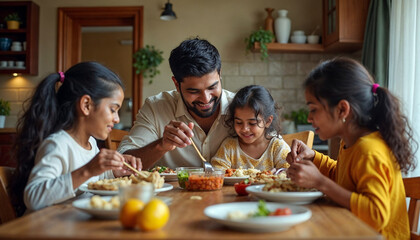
column 114, row 138
column 306, row 137
column 412, row 191
column 7, row 212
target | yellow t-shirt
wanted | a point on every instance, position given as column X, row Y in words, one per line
column 230, row 155
column 369, row 170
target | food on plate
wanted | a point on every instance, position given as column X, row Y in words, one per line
column 267, row 177
column 240, row 172
column 261, row 211
column 285, row 185
column 115, row 183
column 204, row 181
column 110, row 184
column 162, row 169
column 241, row 186
column 97, row 202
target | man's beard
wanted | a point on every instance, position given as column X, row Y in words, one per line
column 208, row 112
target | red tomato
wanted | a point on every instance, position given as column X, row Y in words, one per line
column 240, row 188
column 281, row 212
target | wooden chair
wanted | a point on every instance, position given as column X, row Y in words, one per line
column 7, row 212
column 306, row 136
column 412, row 191
column 114, row 138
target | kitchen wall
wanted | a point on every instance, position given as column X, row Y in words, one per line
column 225, row 23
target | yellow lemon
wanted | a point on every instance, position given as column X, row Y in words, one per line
column 154, row 215
column 129, row 212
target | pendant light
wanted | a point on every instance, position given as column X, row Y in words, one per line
column 167, row 13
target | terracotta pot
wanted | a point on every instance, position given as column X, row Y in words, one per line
column 12, row 25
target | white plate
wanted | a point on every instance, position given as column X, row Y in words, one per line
column 169, row 177
column 84, row 188
column 285, row 197
column 233, row 180
column 84, row 205
column 219, row 214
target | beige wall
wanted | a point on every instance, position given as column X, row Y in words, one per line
column 225, row 23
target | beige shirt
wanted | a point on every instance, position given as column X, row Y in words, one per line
column 158, row 111
column 230, row 155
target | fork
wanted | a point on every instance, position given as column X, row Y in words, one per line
column 207, row 166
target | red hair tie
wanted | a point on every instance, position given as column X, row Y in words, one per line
column 61, row 76
column 374, row 87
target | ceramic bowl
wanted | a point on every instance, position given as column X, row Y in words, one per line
column 298, row 39
column 5, row 44
column 298, row 33
column 313, row 39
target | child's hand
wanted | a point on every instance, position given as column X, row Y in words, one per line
column 105, row 160
column 133, row 161
column 299, row 151
column 305, row 174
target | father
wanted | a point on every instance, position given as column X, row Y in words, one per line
column 166, row 122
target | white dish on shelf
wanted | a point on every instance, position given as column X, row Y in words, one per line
column 11, row 68
column 84, row 188
column 284, row 197
column 219, row 214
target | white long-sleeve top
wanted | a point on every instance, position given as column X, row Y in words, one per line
column 50, row 180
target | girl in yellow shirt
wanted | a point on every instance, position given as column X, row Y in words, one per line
column 255, row 143
column 376, row 145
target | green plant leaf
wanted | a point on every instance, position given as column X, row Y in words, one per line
column 12, row 17
column 4, row 107
column 261, row 36
column 147, row 60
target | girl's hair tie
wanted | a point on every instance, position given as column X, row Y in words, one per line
column 61, row 76
column 374, row 87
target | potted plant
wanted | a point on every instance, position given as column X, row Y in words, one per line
column 12, row 21
column 262, row 37
column 4, row 111
column 147, row 60
column 300, row 119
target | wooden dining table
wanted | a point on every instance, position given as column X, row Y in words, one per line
column 187, row 221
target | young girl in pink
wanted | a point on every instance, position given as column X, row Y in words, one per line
column 56, row 148
column 376, row 145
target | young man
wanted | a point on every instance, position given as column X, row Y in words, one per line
column 168, row 122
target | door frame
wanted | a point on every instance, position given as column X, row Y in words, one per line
column 69, row 37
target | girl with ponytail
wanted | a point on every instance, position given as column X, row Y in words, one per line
column 376, row 146
column 56, row 149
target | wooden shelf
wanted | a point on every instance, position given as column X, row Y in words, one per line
column 291, row 47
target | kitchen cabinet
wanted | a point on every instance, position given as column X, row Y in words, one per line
column 7, row 139
column 28, row 32
column 344, row 24
column 343, row 29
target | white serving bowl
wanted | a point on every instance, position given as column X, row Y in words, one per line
column 313, row 39
column 298, row 39
column 298, row 33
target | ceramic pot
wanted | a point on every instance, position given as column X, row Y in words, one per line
column 5, row 44
column 2, row 121
column 282, row 26
column 269, row 20
column 12, row 25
